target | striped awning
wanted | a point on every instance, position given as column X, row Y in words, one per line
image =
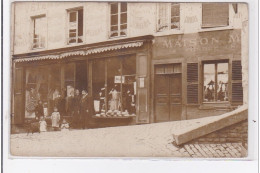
column 86, row 51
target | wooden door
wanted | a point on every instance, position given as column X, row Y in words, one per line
column 175, row 97
column 162, row 98
column 168, row 105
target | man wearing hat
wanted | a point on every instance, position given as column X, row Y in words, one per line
column 86, row 108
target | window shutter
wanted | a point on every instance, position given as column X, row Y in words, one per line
column 18, row 96
column 215, row 14
column 237, row 88
column 163, row 13
column 192, row 83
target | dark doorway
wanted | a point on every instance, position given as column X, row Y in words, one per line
column 81, row 75
column 168, row 105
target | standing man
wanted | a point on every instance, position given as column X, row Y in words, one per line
column 76, row 109
column 86, row 108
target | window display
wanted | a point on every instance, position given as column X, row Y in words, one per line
column 36, row 89
column 215, row 82
column 114, row 87
column 98, row 89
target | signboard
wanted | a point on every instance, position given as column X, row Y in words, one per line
column 119, row 79
column 141, row 82
column 198, row 44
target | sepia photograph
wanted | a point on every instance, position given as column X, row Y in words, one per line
column 129, row 79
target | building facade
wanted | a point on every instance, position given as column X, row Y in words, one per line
column 140, row 62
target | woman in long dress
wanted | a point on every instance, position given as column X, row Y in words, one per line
column 114, row 102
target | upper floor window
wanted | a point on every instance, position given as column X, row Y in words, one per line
column 118, row 19
column 168, row 16
column 75, row 26
column 39, row 31
column 215, row 15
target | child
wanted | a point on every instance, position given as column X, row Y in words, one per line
column 43, row 124
column 64, row 125
column 55, row 118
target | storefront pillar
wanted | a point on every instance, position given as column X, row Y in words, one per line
column 142, row 88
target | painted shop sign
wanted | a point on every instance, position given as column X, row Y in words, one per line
column 206, row 43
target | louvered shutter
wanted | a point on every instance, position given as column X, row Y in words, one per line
column 215, row 14
column 192, row 83
column 237, row 88
column 18, row 96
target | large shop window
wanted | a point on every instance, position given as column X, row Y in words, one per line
column 39, row 31
column 118, row 19
column 114, row 87
column 55, row 86
column 215, row 14
column 168, row 16
column 215, row 82
column 36, row 89
column 75, row 26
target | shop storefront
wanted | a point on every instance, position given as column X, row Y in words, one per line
column 196, row 75
column 109, row 71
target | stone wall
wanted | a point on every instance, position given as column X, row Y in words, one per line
column 194, row 112
column 236, row 133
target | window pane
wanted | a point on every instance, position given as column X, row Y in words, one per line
column 160, row 69
column 114, row 19
column 114, row 8
column 113, row 85
column 175, row 23
column 123, row 18
column 98, row 88
column 129, row 85
column 122, row 27
column 40, row 31
column 114, row 34
column 72, row 40
column 175, row 19
column 209, row 82
column 175, row 10
column 114, row 28
column 73, row 16
column 80, row 22
column 123, row 6
column 222, row 91
column 72, row 34
column 123, row 33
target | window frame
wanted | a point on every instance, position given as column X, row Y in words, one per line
column 69, row 11
column 211, row 26
column 168, row 17
column 33, row 18
column 123, row 76
column 119, row 13
column 215, row 92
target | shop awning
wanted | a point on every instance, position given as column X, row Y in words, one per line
column 81, row 52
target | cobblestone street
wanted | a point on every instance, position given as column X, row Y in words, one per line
column 152, row 140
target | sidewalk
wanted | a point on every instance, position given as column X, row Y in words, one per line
column 151, row 140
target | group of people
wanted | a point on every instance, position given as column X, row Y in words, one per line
column 209, row 94
column 56, row 125
column 79, row 107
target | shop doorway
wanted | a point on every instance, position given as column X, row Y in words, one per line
column 81, row 76
column 168, row 102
